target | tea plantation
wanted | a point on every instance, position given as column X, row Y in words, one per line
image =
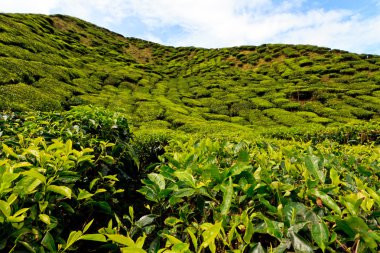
column 114, row 144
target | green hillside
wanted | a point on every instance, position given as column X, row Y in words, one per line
column 114, row 144
column 54, row 62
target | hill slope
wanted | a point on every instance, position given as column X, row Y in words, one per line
column 54, row 62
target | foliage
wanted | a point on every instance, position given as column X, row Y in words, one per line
column 73, row 177
column 43, row 194
column 239, row 197
column 51, row 63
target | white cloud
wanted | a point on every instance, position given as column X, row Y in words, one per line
column 102, row 12
column 25, row 6
column 219, row 23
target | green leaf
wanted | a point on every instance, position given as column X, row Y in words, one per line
column 27, row 185
column 12, row 198
column 274, row 228
column 181, row 248
column 35, row 174
column 172, row 221
column 131, row 213
column 108, row 159
column 334, row 176
column 21, row 165
column 15, row 219
column 27, row 245
column 132, row 250
column 85, row 158
column 68, row 177
column 48, row 242
column 352, row 203
column 68, row 146
column 172, row 239
column 292, row 213
column 83, row 194
column 9, row 151
column 227, row 198
column 312, row 165
column 88, row 225
column 121, row 239
column 146, row 220
column 73, row 237
column 326, row 200
column 299, row 244
column 93, row 182
column 249, row 230
column 185, row 192
column 44, row 218
column 94, row 237
column 320, row 234
column 67, row 207
column 353, row 226
column 63, row 190
column 285, row 244
column 193, row 238
column 140, row 241
column 104, row 190
column 5, row 208
column 185, row 177
column 210, row 234
column 373, row 194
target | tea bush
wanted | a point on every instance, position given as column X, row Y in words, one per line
column 237, row 197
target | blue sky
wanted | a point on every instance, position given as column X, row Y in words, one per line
column 352, row 25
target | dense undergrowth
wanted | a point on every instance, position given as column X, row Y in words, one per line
column 71, row 181
column 113, row 144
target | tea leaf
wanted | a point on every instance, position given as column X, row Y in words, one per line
column 227, row 198
column 87, row 226
column 299, row 244
column 63, row 190
column 132, row 250
column 5, row 208
column 312, row 164
column 74, row 236
column 185, row 177
column 326, row 200
column 83, row 194
column 44, row 218
column 210, row 234
column 48, row 242
column 94, row 237
column 35, row 174
column 127, row 241
column 320, row 234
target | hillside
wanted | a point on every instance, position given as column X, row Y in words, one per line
column 54, row 62
column 114, row 144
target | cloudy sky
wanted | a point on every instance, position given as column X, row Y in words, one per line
column 352, row 25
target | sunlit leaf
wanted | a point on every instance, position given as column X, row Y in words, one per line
column 63, row 190
column 94, row 237
column 121, row 239
column 83, row 194
column 227, row 198
column 326, row 200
